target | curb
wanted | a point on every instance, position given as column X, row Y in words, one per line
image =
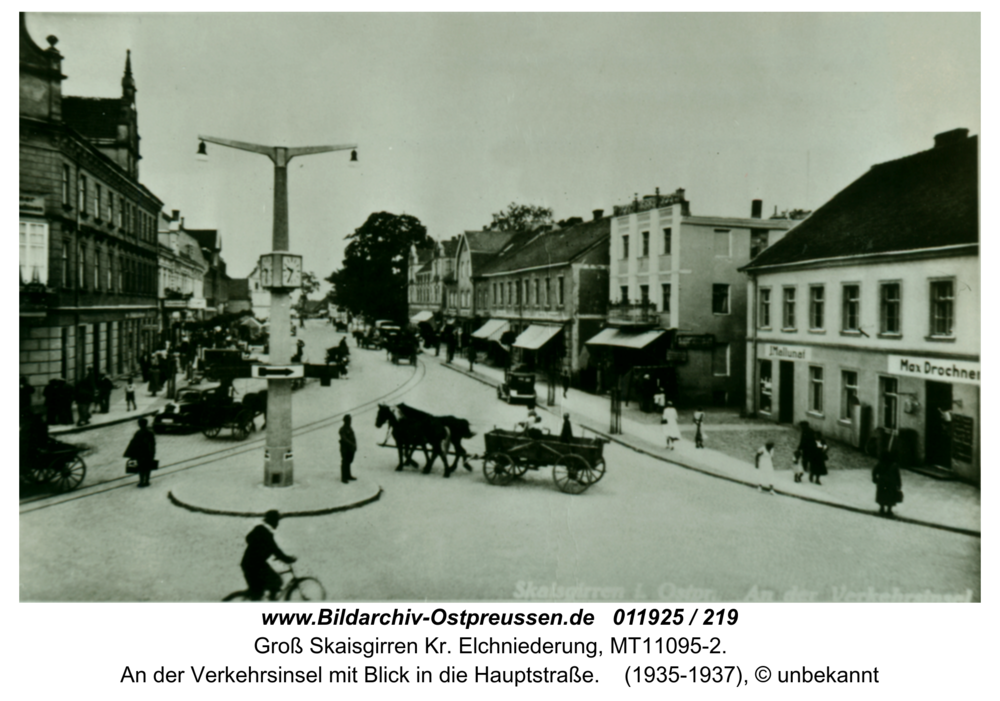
column 112, row 422
column 643, row 451
column 288, row 514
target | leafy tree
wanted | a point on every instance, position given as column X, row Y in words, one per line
column 310, row 284
column 519, row 216
column 372, row 281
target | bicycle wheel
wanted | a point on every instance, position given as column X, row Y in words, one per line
column 305, row 589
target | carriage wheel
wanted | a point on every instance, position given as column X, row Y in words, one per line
column 40, row 475
column 571, row 474
column 243, row 427
column 70, row 475
column 498, row 469
column 595, row 473
column 212, row 431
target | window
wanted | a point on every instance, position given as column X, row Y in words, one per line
column 510, row 294
column 758, row 242
column 764, row 321
column 645, row 244
column 788, row 309
column 889, row 395
column 665, row 296
column 666, row 241
column 559, row 290
column 538, row 296
column 848, row 392
column 889, row 322
column 34, row 252
column 625, row 247
column 97, row 200
column 942, row 307
column 111, row 272
column 722, row 243
column 644, row 294
column 624, row 290
column 81, row 279
column 120, row 212
column 720, row 299
column 65, row 269
column 816, row 389
column 111, row 207
column 97, row 268
column 764, row 399
column 720, row 360
column 852, row 308
column 817, row 298
column 65, row 185
column 82, row 194
column 548, row 292
column 494, row 293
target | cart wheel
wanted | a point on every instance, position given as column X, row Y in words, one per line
column 518, row 468
column 212, row 431
column 571, row 474
column 40, row 475
column 69, row 476
column 498, row 468
column 243, row 429
column 595, row 473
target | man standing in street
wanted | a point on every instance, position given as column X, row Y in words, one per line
column 261, row 546
column 142, row 449
column 348, row 447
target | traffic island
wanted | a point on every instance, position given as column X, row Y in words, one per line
column 239, row 491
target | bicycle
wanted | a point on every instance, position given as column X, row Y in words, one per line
column 293, row 588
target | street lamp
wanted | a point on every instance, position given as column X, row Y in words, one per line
column 278, row 463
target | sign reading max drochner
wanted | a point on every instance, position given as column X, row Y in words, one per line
column 961, row 371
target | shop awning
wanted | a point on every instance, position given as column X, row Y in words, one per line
column 534, row 337
column 492, row 330
column 421, row 316
column 625, row 339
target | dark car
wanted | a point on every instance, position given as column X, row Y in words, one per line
column 517, row 387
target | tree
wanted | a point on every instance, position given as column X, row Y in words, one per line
column 519, row 216
column 372, row 281
column 310, row 284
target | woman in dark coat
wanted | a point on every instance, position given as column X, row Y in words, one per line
column 142, row 449
column 888, row 485
column 817, row 460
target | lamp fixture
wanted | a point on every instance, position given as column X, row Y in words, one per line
column 202, row 151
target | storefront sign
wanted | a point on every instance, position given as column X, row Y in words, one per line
column 960, row 371
column 961, row 437
column 196, row 303
column 175, row 303
column 704, row 341
column 788, row 352
column 33, row 205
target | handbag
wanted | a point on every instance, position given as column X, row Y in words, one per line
column 131, row 467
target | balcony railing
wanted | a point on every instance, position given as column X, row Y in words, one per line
column 633, row 314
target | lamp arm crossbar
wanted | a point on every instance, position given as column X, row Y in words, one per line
column 242, row 145
column 306, row 150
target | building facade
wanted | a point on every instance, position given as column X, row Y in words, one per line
column 88, row 227
column 678, row 300
column 546, row 292
column 182, row 271
column 216, row 281
column 866, row 318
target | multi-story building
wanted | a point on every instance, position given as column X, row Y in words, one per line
column 216, row 283
column 182, row 274
column 474, row 251
column 546, row 291
column 867, row 315
column 431, row 283
column 88, row 227
column 678, row 300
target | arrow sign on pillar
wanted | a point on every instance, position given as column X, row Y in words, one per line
column 282, row 371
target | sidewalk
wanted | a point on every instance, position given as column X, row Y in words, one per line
column 953, row 506
column 117, row 412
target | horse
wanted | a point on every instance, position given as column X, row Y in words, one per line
column 256, row 403
column 412, row 432
column 457, row 428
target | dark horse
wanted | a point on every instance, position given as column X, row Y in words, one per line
column 411, row 433
column 458, row 429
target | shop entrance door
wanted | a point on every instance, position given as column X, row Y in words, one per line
column 786, row 391
column 937, row 448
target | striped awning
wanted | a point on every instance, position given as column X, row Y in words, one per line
column 534, row 337
column 625, row 339
column 492, row 330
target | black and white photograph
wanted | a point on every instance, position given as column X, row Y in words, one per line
column 503, row 307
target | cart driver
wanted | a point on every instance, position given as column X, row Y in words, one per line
column 528, row 426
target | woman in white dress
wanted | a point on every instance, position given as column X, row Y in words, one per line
column 765, row 467
column 671, row 428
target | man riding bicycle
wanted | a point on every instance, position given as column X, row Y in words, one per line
column 260, row 547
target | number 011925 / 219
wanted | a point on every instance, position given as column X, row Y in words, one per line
column 675, row 617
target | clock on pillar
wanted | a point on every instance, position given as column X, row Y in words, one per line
column 280, row 270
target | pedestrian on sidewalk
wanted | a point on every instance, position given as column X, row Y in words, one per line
column 154, row 376
column 84, row 398
column 888, row 485
column 659, row 397
column 142, row 449
column 699, row 436
column 348, row 447
column 104, row 389
column 52, row 394
column 817, row 463
column 130, row 395
column 671, row 426
column 567, row 430
column 472, row 357
column 566, row 378
column 797, row 468
column 807, row 446
column 765, row 467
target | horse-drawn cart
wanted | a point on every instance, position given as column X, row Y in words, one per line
column 577, row 463
column 57, row 464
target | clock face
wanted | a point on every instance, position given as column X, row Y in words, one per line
column 291, row 274
column 266, row 270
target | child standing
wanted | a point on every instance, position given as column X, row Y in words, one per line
column 699, row 419
column 130, row 395
column 765, row 466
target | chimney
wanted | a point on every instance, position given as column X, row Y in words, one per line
column 950, row 138
column 598, row 214
column 174, row 214
column 756, row 207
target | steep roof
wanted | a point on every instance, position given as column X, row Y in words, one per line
column 926, row 200
column 550, row 247
column 484, row 245
column 206, row 238
column 93, row 117
column 450, row 246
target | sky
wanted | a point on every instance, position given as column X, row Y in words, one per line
column 457, row 115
